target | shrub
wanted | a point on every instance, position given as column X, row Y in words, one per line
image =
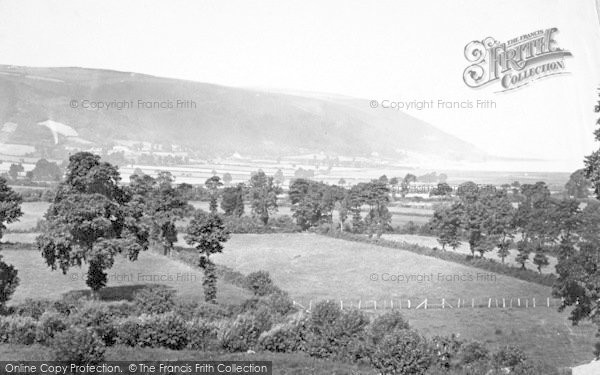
column 78, row 345
column 165, row 330
column 446, row 350
column 331, row 330
column 402, row 351
column 187, row 309
column 260, row 283
column 211, row 312
column 284, row 338
column 241, row 334
column 8, row 282
column 49, row 325
column 279, row 303
column 509, row 356
column 385, row 323
column 473, row 351
column 128, row 331
column 202, row 335
column 244, row 224
column 156, row 299
column 33, row 308
column 99, row 318
column 18, row 329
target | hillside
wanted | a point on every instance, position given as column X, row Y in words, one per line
column 35, row 108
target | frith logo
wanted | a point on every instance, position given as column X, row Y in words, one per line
column 514, row 63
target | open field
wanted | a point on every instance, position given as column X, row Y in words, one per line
column 317, row 267
column 432, row 242
column 544, row 334
column 39, row 281
column 313, row 267
column 32, row 212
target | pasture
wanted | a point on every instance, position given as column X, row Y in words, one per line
column 32, row 212
column 39, row 281
column 313, row 267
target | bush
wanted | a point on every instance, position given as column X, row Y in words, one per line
column 260, row 283
column 202, row 335
column 100, row 318
column 279, row 303
column 242, row 334
column 402, row 351
column 446, row 350
column 509, row 356
column 33, row 308
column 129, row 331
column 165, row 330
column 331, row 330
column 18, row 329
column 8, row 282
column 156, row 299
column 385, row 323
column 244, row 224
column 211, row 312
column 78, row 345
column 472, row 352
column 49, row 325
column 284, row 338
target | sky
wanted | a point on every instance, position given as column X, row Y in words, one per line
column 376, row 50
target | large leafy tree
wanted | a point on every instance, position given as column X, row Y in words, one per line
column 578, row 185
column 232, row 200
column 263, row 196
column 161, row 204
column 447, row 222
column 213, row 184
column 45, row 170
column 91, row 221
column 376, row 194
column 534, row 221
column 579, row 264
column 10, row 211
column 313, row 202
column 207, row 233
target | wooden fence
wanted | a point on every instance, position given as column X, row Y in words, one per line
column 441, row 303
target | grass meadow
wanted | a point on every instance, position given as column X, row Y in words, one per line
column 39, row 281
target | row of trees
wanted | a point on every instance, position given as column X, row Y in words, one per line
column 43, row 170
column 487, row 219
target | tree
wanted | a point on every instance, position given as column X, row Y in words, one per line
column 14, row 170
column 207, row 233
column 232, row 201
column 405, row 185
column 313, row 202
column 442, row 189
column 534, row 219
column 578, row 185
column 578, row 265
column 342, row 182
column 263, row 196
column 92, row 220
column 447, row 222
column 162, row 206
column 213, row 184
column 10, row 211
